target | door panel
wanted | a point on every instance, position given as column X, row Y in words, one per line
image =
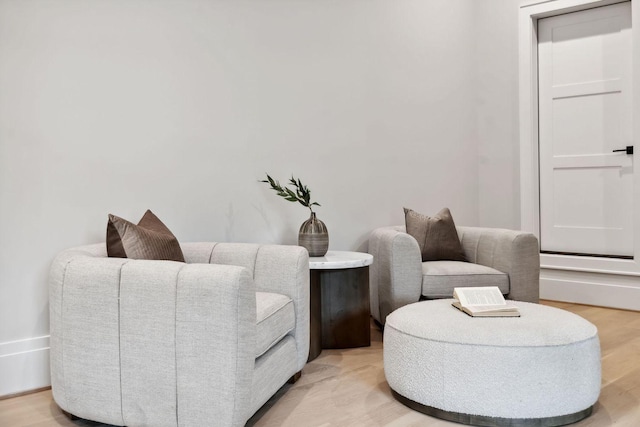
column 585, row 133
column 586, row 193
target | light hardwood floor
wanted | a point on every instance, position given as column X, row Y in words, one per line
column 348, row 387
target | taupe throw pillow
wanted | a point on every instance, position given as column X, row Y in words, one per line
column 436, row 235
column 150, row 239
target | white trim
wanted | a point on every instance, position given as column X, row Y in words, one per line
column 543, row 9
column 530, row 12
column 607, row 290
column 10, row 348
column 592, row 264
column 24, row 365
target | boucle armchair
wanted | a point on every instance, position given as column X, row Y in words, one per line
column 164, row 343
column 497, row 257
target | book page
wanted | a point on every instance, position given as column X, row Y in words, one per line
column 481, row 296
column 488, row 310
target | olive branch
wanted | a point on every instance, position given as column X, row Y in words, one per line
column 302, row 194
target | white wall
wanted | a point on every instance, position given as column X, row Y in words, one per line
column 497, row 114
column 182, row 106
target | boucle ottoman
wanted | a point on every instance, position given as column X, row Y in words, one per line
column 540, row 369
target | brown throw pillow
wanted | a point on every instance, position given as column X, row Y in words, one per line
column 436, row 235
column 150, row 239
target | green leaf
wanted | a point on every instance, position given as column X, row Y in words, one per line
column 290, row 193
column 302, row 194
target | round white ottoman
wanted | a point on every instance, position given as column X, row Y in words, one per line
column 540, row 369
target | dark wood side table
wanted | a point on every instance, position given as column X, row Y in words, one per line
column 339, row 301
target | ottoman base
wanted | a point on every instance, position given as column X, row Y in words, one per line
column 482, row 420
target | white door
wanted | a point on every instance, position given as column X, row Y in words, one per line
column 586, row 194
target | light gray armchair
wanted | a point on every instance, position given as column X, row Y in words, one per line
column 497, row 257
column 164, row 343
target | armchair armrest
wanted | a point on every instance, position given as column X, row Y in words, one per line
column 275, row 268
column 215, row 343
column 285, row 270
column 509, row 251
column 396, row 273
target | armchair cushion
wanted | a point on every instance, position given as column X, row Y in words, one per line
column 440, row 277
column 275, row 318
column 436, row 235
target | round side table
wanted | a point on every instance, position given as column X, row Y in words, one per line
column 339, row 301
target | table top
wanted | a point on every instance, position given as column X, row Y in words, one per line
column 340, row 259
column 538, row 326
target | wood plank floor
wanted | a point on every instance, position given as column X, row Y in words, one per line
column 348, row 388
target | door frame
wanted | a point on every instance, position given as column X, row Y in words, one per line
column 530, row 12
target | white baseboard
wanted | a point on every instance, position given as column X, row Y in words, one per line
column 24, row 365
column 606, row 290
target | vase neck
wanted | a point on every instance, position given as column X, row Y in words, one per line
column 313, row 215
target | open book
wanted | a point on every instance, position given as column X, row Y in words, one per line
column 483, row 302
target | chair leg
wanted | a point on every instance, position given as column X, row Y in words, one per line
column 295, row 377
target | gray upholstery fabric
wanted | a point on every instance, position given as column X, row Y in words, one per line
column 56, row 279
column 396, row 277
column 198, row 252
column 439, row 278
column 272, row 370
column 279, row 273
column 161, row 343
column 90, row 347
column 242, row 254
column 148, row 333
column 513, row 252
column 521, row 368
column 215, row 350
column 276, row 269
column 275, row 319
